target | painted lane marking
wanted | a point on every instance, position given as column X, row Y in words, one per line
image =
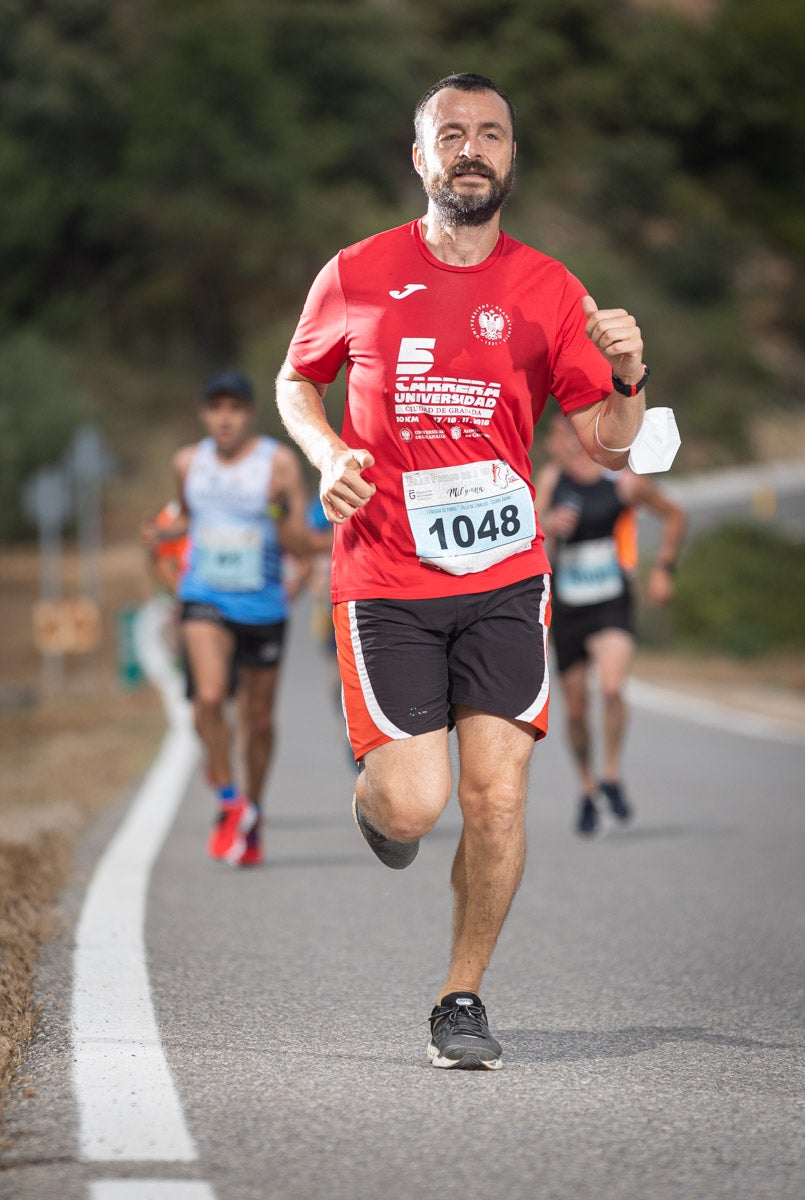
column 685, row 707
column 128, row 1106
column 150, row 1189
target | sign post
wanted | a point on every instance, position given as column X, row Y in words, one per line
column 46, row 501
column 88, row 462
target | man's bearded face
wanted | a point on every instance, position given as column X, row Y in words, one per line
column 467, row 205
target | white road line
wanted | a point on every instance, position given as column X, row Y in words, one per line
column 685, row 707
column 150, row 1189
column 128, row 1106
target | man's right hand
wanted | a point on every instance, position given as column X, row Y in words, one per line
column 343, row 491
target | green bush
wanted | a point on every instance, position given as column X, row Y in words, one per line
column 740, row 590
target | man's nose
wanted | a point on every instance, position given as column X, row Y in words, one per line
column 470, row 148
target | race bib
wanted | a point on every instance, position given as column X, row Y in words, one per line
column 467, row 518
column 588, row 573
column 230, row 560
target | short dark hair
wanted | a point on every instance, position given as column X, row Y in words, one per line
column 464, row 81
column 229, row 383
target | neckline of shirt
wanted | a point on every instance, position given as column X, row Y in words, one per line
column 430, row 257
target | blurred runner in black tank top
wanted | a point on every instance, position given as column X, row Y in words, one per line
column 589, row 517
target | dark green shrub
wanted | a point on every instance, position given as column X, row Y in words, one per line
column 740, row 591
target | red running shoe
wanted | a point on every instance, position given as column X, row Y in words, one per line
column 252, row 856
column 230, row 832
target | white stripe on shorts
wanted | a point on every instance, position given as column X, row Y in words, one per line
column 375, row 711
column 539, row 703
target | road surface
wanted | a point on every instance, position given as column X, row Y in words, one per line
column 647, row 990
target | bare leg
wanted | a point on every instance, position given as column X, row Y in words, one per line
column 209, row 649
column 256, row 712
column 258, row 733
column 406, row 785
column 574, row 690
column 612, row 651
column 494, row 754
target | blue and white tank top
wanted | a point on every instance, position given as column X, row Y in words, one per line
column 235, row 554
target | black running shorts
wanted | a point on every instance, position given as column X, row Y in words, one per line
column 257, row 646
column 405, row 664
column 572, row 625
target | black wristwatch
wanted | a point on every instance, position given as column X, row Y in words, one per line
column 630, row 389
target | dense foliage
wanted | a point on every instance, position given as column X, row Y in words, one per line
column 740, row 590
column 173, row 172
column 176, row 168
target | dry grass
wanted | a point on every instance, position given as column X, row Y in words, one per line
column 65, row 756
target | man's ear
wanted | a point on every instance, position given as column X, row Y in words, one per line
column 416, row 155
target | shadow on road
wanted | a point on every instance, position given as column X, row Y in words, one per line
column 544, row 1045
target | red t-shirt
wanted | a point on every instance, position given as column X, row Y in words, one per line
column 446, row 366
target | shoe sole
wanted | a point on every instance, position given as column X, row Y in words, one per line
column 470, row 1061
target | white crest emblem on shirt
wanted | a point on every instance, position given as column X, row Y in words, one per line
column 491, row 324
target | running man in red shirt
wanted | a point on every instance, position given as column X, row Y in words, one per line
column 453, row 336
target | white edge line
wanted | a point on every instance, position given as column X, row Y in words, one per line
column 685, row 707
column 150, row 1189
column 128, row 1106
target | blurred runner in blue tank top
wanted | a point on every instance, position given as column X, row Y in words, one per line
column 242, row 501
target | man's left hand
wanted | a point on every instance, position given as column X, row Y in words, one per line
column 616, row 334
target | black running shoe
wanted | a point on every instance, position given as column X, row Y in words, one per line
column 396, row 855
column 459, row 1035
column 587, row 820
column 617, row 801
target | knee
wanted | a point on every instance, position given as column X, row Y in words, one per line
column 407, row 813
column 575, row 707
column 493, row 814
column 260, row 725
column 208, row 702
column 612, row 692
column 576, row 716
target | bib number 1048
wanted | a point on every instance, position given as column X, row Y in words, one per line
column 467, row 517
column 463, row 531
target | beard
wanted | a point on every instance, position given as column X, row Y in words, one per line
column 467, row 208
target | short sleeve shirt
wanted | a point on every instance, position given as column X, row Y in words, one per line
column 446, row 366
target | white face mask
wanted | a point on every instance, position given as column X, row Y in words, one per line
column 655, row 447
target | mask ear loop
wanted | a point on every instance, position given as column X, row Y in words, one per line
column 609, row 449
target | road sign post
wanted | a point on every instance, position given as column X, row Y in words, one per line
column 46, row 501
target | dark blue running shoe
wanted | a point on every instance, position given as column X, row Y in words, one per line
column 587, row 819
column 617, row 801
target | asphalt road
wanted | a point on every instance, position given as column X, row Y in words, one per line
column 647, row 990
